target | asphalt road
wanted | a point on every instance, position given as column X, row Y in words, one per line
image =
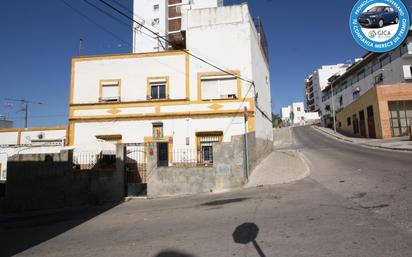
column 355, row 203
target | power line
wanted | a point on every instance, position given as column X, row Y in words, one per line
column 171, row 43
column 95, row 23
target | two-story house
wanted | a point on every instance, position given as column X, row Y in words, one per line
column 176, row 98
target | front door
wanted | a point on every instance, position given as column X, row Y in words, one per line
column 371, row 122
column 362, row 124
column 162, row 154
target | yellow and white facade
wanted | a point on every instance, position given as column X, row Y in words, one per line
column 127, row 97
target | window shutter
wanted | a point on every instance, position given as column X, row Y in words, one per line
column 228, row 87
column 110, row 91
column 210, row 89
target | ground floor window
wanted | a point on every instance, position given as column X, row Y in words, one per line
column 400, row 113
column 205, row 141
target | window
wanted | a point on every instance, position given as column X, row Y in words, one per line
column 348, row 121
column 205, row 141
column 155, row 21
column 158, row 88
column 156, row 7
column 109, row 91
column 298, row 109
column 157, row 130
column 385, row 60
column 219, row 87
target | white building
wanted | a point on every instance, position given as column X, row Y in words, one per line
column 295, row 114
column 374, row 69
column 164, row 17
column 171, row 97
column 317, row 82
column 33, row 140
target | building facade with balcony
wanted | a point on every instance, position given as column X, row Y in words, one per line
column 164, row 17
column 171, row 97
column 317, row 82
column 363, row 77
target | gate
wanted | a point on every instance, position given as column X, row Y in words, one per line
column 136, row 169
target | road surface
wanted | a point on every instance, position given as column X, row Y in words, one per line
column 355, row 203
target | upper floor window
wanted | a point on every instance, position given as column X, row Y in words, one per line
column 156, row 7
column 158, row 88
column 157, row 130
column 109, row 91
column 219, row 87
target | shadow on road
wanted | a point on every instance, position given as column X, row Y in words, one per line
column 172, row 253
column 247, row 233
column 19, row 232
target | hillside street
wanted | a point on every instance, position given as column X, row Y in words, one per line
column 355, row 202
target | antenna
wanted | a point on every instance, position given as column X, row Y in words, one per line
column 80, row 46
column 25, row 108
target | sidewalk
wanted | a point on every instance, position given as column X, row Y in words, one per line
column 399, row 143
column 282, row 166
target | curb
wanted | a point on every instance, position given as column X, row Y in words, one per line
column 362, row 144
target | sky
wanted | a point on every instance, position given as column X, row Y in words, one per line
column 39, row 38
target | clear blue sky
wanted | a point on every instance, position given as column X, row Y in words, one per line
column 38, row 39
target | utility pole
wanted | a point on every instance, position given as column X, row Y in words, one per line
column 246, row 116
column 333, row 109
column 25, row 108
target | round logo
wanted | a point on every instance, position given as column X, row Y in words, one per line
column 379, row 25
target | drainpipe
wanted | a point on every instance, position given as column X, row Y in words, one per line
column 246, row 146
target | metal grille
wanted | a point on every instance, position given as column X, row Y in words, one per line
column 205, row 145
column 136, row 161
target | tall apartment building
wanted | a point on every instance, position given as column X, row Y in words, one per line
column 317, row 82
column 165, row 18
column 384, row 77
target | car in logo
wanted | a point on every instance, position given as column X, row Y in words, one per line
column 379, row 17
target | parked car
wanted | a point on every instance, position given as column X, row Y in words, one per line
column 379, row 16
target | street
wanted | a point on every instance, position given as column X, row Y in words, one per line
column 355, row 203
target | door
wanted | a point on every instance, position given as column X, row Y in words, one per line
column 162, row 154
column 355, row 124
column 362, row 123
column 371, row 122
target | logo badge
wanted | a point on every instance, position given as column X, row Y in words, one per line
column 379, row 25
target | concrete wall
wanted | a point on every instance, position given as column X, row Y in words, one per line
column 47, row 181
column 228, row 170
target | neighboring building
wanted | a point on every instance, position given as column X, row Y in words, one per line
column 372, row 71
column 172, row 98
column 295, row 114
column 5, row 123
column 384, row 111
column 317, row 82
column 166, row 18
column 33, row 140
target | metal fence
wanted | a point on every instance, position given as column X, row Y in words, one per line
column 191, row 157
column 136, row 164
column 94, row 160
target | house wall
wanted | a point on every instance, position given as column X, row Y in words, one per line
column 185, row 107
column 378, row 97
column 228, row 169
column 368, row 99
column 133, row 131
column 51, row 182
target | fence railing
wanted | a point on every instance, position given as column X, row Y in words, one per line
column 94, row 160
column 190, row 157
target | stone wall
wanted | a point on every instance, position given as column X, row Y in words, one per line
column 48, row 181
column 228, row 170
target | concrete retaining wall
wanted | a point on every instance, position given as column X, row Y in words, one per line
column 47, row 181
column 228, row 171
